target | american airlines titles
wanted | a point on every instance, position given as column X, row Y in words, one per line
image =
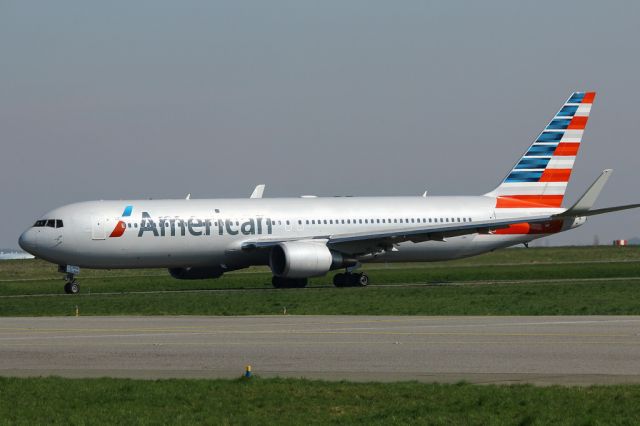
column 173, row 226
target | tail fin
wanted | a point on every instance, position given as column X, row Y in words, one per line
column 539, row 179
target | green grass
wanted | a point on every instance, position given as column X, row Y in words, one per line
column 292, row 401
column 600, row 280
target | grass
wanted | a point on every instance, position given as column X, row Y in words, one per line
column 544, row 281
column 296, row 401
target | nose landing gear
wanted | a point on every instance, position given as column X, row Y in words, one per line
column 72, row 286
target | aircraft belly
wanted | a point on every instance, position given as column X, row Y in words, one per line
column 145, row 253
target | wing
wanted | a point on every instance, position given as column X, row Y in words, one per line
column 384, row 239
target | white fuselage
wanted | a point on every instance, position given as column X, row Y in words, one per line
column 210, row 233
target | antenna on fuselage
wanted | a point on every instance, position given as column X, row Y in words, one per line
column 188, row 196
column 257, row 192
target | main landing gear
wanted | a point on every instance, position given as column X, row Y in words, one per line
column 351, row 279
column 282, row 282
column 72, row 286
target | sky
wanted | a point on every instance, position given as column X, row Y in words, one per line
column 157, row 99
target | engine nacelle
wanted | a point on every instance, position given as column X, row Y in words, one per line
column 195, row 273
column 301, row 259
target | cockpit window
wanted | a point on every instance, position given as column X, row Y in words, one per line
column 51, row 223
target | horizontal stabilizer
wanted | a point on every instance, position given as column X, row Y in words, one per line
column 609, row 210
column 583, row 206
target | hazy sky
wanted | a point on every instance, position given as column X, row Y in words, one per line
column 139, row 99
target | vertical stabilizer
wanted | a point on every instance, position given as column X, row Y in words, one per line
column 540, row 178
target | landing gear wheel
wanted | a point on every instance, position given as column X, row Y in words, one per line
column 362, row 279
column 351, row 280
column 72, row 287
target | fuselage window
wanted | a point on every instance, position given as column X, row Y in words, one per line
column 135, row 225
column 395, row 220
column 299, row 222
column 325, row 221
column 307, row 221
column 313, row 222
column 129, row 225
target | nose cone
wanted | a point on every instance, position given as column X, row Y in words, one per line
column 27, row 241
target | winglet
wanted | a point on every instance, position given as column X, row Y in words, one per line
column 257, row 192
column 588, row 199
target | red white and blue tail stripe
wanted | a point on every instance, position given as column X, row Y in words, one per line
column 539, row 179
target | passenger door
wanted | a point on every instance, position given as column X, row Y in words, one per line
column 98, row 228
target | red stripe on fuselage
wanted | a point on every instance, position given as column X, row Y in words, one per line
column 550, row 227
column 529, row 201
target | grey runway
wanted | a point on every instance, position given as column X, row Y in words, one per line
column 539, row 350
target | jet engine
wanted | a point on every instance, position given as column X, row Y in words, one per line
column 195, row 273
column 302, row 259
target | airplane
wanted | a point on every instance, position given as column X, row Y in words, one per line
column 310, row 236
